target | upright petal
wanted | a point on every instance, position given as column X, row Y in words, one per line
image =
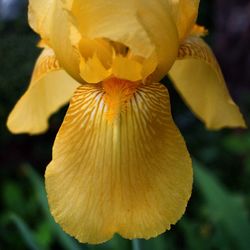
column 185, row 13
column 63, row 37
column 144, row 27
column 50, row 20
column 113, row 19
column 50, row 88
column 197, row 76
column 131, row 175
column 159, row 24
column 40, row 16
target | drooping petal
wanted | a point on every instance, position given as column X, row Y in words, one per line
column 132, row 176
column 197, row 76
column 50, row 89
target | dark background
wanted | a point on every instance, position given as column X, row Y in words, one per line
column 217, row 216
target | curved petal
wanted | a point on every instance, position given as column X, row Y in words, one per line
column 157, row 21
column 92, row 70
column 185, row 13
column 143, row 26
column 40, row 14
column 63, row 38
column 126, row 68
column 115, row 20
column 198, row 78
column 131, row 176
column 49, row 19
column 50, row 88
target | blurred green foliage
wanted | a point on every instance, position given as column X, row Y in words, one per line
column 217, row 216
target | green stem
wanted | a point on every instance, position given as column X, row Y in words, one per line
column 136, row 244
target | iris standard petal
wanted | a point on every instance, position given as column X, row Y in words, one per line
column 40, row 17
column 63, row 37
column 185, row 14
column 115, row 20
column 139, row 25
column 162, row 31
column 50, row 88
column 197, row 76
column 130, row 175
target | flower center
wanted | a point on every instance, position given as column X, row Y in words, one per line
column 117, row 93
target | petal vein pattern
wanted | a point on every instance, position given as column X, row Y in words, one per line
column 132, row 176
column 50, row 88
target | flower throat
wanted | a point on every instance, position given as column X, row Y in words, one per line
column 117, row 93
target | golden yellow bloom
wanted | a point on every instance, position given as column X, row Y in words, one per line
column 119, row 163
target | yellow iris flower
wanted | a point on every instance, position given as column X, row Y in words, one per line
column 120, row 165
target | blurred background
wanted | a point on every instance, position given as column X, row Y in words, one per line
column 217, row 216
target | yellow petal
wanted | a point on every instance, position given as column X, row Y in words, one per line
column 50, row 88
column 149, row 66
column 100, row 47
column 40, row 16
column 126, row 68
column 144, row 27
column 185, row 14
column 62, row 39
column 198, row 78
column 132, row 176
column 115, row 20
column 157, row 20
column 92, row 70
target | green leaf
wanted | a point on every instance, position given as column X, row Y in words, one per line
column 12, row 196
column 192, row 234
column 118, row 243
column 223, row 208
column 158, row 243
column 239, row 144
column 25, row 232
column 44, row 234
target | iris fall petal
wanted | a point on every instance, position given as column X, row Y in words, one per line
column 50, row 89
column 130, row 176
column 197, row 76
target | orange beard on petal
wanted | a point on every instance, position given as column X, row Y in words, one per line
column 117, row 93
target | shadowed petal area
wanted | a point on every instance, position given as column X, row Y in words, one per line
column 198, row 78
column 50, row 89
column 131, row 175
